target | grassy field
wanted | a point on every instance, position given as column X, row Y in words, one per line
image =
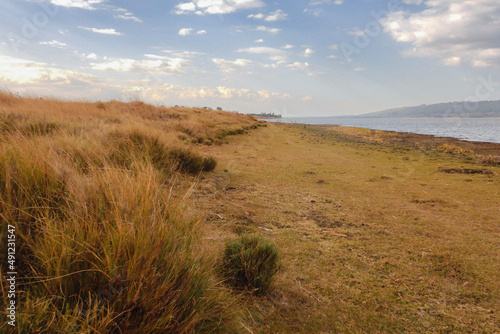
column 375, row 235
column 122, row 212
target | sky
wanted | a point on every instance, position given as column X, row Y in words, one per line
column 294, row 58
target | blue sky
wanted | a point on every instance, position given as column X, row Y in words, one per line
column 296, row 58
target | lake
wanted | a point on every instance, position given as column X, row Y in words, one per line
column 470, row 129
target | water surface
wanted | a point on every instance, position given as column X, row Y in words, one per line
column 470, row 129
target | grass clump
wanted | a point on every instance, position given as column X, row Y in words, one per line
column 453, row 149
column 41, row 128
column 191, row 162
column 100, row 105
column 209, row 164
column 493, row 160
column 251, row 263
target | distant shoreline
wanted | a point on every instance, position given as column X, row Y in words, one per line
column 477, row 129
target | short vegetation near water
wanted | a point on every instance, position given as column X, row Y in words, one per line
column 103, row 245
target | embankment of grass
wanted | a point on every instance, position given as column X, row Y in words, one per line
column 104, row 241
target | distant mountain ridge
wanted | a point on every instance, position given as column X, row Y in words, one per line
column 481, row 109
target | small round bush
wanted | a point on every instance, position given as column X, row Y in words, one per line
column 251, row 263
column 209, row 164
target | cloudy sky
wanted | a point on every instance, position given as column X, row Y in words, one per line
column 295, row 57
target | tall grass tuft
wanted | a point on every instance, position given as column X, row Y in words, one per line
column 191, row 162
column 251, row 263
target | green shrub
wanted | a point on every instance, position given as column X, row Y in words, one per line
column 251, row 263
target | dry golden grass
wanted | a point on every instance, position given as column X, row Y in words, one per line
column 104, row 240
column 455, row 150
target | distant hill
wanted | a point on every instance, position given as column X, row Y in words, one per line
column 452, row 109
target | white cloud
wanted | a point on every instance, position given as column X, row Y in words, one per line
column 298, row 66
column 308, row 52
column 331, row 57
column 259, row 16
column 228, row 66
column 83, row 4
column 129, row 17
column 260, row 40
column 201, row 32
column 452, row 61
column 314, row 12
column 261, row 50
column 273, row 53
column 54, row 43
column 123, row 14
column 307, row 98
column 325, row 2
column 272, row 31
column 359, row 69
column 288, row 46
column 185, row 31
column 107, row 31
column 26, row 72
column 463, row 32
column 334, row 47
column 182, row 53
column 202, row 7
column 277, row 15
column 170, row 92
column 159, row 64
column 184, row 8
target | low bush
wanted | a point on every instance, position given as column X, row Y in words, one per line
column 209, row 164
column 191, row 162
column 250, row 263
